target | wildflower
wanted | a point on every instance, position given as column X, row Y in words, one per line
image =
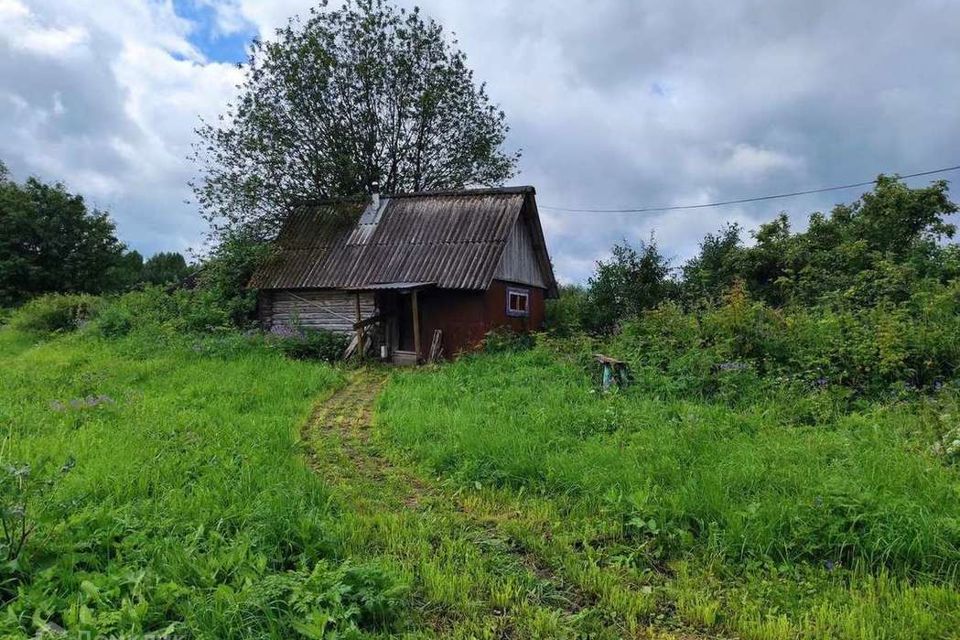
column 733, row 366
column 285, row 331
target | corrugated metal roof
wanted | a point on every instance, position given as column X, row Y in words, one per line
column 395, row 286
column 453, row 238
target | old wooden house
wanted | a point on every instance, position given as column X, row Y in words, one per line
column 411, row 275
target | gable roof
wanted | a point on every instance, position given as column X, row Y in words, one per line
column 453, row 239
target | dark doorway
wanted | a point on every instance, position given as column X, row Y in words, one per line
column 404, row 322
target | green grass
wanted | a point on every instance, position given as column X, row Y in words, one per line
column 496, row 496
column 194, row 508
column 188, row 494
column 737, row 520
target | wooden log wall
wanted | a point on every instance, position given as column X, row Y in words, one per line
column 328, row 310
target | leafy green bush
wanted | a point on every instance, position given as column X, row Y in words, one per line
column 633, row 280
column 567, row 314
column 199, row 310
column 115, row 321
column 503, row 339
column 337, row 601
column 55, row 313
column 222, row 296
column 311, row 344
column 219, row 300
column 871, row 351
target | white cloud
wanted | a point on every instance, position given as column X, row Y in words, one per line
column 111, row 114
column 750, row 164
column 25, row 32
column 615, row 103
column 52, row 42
column 229, row 16
column 267, row 15
column 13, row 9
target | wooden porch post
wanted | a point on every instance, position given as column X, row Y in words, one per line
column 416, row 324
column 359, row 329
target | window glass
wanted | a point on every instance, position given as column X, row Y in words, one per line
column 518, row 302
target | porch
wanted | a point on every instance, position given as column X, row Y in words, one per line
column 394, row 333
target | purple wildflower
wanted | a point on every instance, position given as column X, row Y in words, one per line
column 733, row 366
column 285, row 331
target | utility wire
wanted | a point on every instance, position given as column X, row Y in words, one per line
column 744, row 200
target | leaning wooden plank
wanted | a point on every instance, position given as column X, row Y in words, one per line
column 367, row 344
column 350, row 348
column 436, row 346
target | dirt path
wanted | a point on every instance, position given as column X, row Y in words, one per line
column 517, row 587
column 345, row 420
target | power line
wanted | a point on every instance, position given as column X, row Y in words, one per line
column 745, row 200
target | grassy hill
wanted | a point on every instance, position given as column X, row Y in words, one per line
column 185, row 484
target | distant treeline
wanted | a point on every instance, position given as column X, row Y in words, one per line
column 867, row 297
column 879, row 249
column 51, row 242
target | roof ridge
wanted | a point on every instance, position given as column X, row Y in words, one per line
column 319, row 202
column 479, row 191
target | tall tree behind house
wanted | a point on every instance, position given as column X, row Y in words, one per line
column 343, row 103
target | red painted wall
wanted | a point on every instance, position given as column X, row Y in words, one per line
column 496, row 297
column 465, row 317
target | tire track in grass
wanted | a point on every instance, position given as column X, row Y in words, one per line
column 340, row 448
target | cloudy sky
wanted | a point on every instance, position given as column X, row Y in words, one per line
column 615, row 103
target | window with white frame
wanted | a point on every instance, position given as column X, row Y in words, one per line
column 518, row 302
